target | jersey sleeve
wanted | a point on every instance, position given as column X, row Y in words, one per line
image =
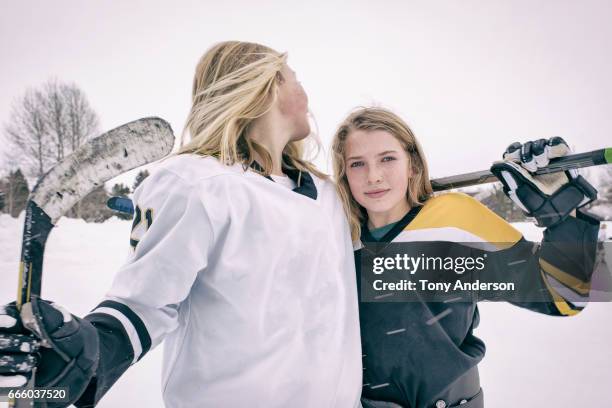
column 170, row 242
column 560, row 268
column 551, row 277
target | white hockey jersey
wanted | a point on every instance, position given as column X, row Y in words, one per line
column 250, row 284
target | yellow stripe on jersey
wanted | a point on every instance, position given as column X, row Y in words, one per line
column 457, row 210
column 562, row 306
column 570, row 281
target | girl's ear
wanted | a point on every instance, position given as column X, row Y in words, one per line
column 410, row 169
column 280, row 78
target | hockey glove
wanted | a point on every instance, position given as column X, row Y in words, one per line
column 549, row 198
column 63, row 348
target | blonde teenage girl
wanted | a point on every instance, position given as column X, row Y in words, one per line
column 241, row 261
column 424, row 354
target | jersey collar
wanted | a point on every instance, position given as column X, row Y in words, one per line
column 303, row 180
column 394, row 232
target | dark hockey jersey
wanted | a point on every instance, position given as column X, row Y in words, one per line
column 414, row 351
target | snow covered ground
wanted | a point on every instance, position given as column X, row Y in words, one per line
column 531, row 361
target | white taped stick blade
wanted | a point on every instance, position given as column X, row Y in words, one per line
column 99, row 160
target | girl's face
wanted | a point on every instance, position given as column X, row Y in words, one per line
column 377, row 169
column 293, row 104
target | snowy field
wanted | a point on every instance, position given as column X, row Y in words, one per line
column 531, row 361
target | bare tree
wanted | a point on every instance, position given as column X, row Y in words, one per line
column 27, row 132
column 48, row 123
column 82, row 121
column 55, row 116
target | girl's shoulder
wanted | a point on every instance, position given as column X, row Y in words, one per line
column 175, row 175
column 454, row 200
column 455, row 204
column 461, row 212
column 193, row 167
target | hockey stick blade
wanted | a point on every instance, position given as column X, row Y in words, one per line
column 117, row 151
column 573, row 161
column 97, row 161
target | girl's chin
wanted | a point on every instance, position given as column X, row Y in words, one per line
column 382, row 207
column 378, row 208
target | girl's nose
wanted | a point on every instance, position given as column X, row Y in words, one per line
column 374, row 175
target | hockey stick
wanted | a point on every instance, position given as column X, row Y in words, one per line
column 102, row 158
column 573, row 161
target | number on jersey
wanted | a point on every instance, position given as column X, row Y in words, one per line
column 138, row 226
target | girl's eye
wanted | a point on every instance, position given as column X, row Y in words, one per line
column 356, row 164
column 388, row 158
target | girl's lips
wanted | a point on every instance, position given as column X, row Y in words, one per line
column 376, row 193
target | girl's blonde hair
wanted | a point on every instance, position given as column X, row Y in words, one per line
column 235, row 83
column 369, row 119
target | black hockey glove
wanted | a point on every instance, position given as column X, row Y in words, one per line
column 549, row 198
column 63, row 348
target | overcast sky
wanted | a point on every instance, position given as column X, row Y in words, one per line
column 470, row 77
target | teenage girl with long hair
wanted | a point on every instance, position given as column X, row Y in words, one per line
column 422, row 354
column 241, row 261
